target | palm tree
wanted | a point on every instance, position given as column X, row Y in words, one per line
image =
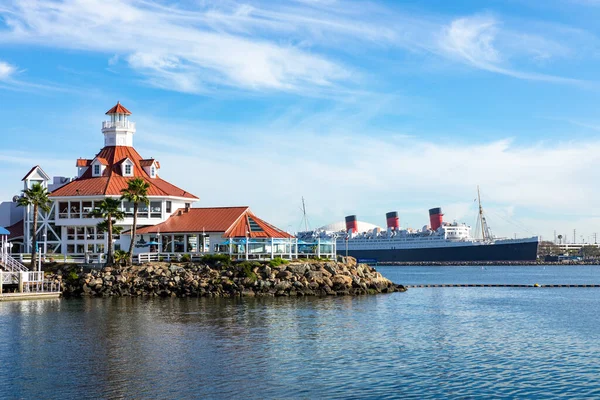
column 136, row 193
column 121, row 257
column 110, row 211
column 102, row 227
column 36, row 196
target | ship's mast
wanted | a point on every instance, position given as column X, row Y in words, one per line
column 304, row 218
column 485, row 232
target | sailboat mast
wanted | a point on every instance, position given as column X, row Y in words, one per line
column 481, row 215
column 304, row 215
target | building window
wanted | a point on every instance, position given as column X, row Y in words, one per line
column 178, row 242
column 128, row 169
column 96, row 169
column 152, row 171
column 128, row 208
column 75, row 209
column 168, row 208
column 155, row 209
column 63, row 208
column 87, row 207
column 143, row 210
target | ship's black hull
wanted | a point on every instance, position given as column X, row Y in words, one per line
column 523, row 251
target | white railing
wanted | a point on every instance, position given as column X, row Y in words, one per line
column 90, row 258
column 118, row 124
column 38, row 285
column 9, row 278
column 154, row 257
column 8, row 263
column 28, row 282
column 167, row 257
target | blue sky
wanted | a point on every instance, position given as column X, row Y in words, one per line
column 360, row 107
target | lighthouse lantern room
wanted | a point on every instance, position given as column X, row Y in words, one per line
column 119, row 130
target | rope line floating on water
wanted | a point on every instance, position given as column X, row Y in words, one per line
column 500, row 285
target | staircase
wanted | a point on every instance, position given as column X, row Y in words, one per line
column 10, row 264
column 11, row 268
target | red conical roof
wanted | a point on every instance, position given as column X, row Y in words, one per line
column 118, row 109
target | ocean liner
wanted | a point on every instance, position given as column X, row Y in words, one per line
column 440, row 241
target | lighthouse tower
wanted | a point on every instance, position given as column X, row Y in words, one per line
column 119, row 130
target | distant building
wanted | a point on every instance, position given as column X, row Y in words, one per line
column 574, row 247
column 169, row 222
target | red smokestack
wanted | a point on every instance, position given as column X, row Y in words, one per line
column 392, row 220
column 351, row 224
column 435, row 218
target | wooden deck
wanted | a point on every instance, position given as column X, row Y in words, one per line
column 29, row 296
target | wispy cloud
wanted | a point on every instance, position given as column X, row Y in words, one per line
column 9, row 81
column 266, row 46
column 472, row 40
column 6, row 70
column 185, row 50
column 348, row 172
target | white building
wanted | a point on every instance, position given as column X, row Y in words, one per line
column 68, row 228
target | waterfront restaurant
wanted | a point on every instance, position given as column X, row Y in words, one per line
column 235, row 231
column 168, row 225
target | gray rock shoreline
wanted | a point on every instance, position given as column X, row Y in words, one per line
column 227, row 279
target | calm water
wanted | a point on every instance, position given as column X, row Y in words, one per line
column 425, row 343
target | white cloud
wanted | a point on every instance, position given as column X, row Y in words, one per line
column 8, row 81
column 6, row 71
column 472, row 40
column 276, row 46
column 172, row 47
column 528, row 189
column 523, row 186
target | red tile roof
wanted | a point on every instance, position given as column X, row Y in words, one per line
column 16, row 230
column 217, row 219
column 243, row 227
column 118, row 109
column 82, row 162
column 233, row 221
column 149, row 162
column 102, row 160
column 112, row 181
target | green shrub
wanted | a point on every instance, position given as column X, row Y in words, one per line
column 72, row 277
column 277, row 261
column 216, row 259
column 186, row 258
column 319, row 259
column 246, row 268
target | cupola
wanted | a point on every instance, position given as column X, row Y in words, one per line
column 119, row 130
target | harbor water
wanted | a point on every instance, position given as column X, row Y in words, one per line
column 424, row 343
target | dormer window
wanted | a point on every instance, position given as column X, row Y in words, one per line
column 150, row 166
column 127, row 167
column 98, row 166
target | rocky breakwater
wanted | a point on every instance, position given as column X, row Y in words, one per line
column 223, row 278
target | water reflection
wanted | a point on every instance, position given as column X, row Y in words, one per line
column 461, row 342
